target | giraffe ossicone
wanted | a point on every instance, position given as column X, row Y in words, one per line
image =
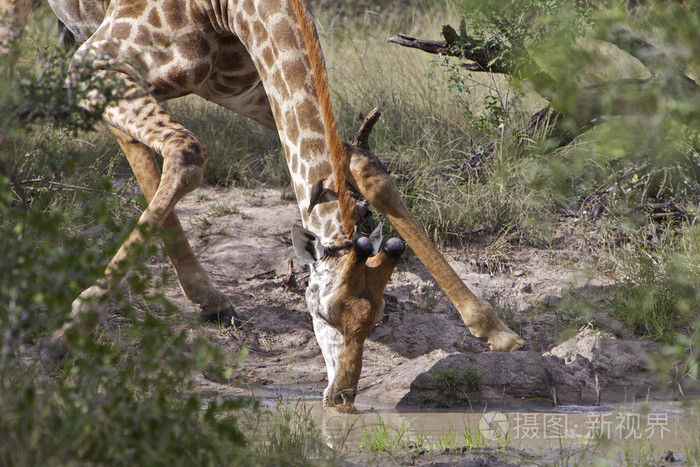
column 261, row 59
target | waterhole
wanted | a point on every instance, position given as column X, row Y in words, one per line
column 666, row 429
column 660, row 426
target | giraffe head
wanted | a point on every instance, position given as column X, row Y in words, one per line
column 347, row 279
column 345, row 299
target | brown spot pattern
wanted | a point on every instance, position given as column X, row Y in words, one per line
column 99, row 35
column 276, row 111
column 260, row 32
column 285, row 39
column 199, row 16
column 249, row 8
column 178, row 77
column 131, row 9
column 328, row 228
column 267, row 57
column 297, row 74
column 322, row 169
column 174, row 14
column 158, row 57
column 160, row 38
column 193, row 46
column 154, row 18
column 121, row 31
column 143, row 36
column 163, row 88
column 308, row 117
column 279, row 85
column 294, row 165
column 271, row 6
column 290, row 126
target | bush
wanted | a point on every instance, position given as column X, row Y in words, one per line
column 125, row 394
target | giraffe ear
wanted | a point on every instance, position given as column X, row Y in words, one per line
column 307, row 245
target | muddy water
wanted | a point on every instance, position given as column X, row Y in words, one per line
column 664, row 426
column 631, row 428
column 643, row 431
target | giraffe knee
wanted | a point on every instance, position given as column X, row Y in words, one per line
column 185, row 157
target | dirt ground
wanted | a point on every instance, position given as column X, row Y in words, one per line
column 422, row 354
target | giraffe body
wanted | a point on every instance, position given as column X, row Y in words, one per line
column 261, row 59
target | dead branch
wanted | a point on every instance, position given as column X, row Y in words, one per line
column 480, row 54
column 662, row 210
column 426, row 45
column 491, row 56
column 36, row 184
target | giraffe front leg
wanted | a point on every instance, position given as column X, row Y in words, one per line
column 194, row 281
column 184, row 157
column 367, row 174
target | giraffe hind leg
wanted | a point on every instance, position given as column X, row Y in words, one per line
column 194, row 281
column 184, row 159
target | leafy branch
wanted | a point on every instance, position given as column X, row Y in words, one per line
column 572, row 109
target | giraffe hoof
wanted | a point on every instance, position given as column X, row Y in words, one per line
column 226, row 318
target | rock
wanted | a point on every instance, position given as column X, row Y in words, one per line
column 602, row 320
column 623, row 365
column 548, row 300
column 442, row 379
column 608, row 354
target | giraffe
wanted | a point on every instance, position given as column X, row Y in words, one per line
column 261, row 59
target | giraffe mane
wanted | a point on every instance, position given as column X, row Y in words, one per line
column 335, row 145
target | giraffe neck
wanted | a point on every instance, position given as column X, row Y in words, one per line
column 288, row 60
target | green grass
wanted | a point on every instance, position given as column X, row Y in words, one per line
column 454, row 177
column 286, row 435
column 458, row 378
column 658, row 294
column 384, row 437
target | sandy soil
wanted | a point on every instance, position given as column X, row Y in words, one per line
column 243, row 239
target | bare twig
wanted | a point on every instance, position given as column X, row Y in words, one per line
column 66, row 187
column 263, row 275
